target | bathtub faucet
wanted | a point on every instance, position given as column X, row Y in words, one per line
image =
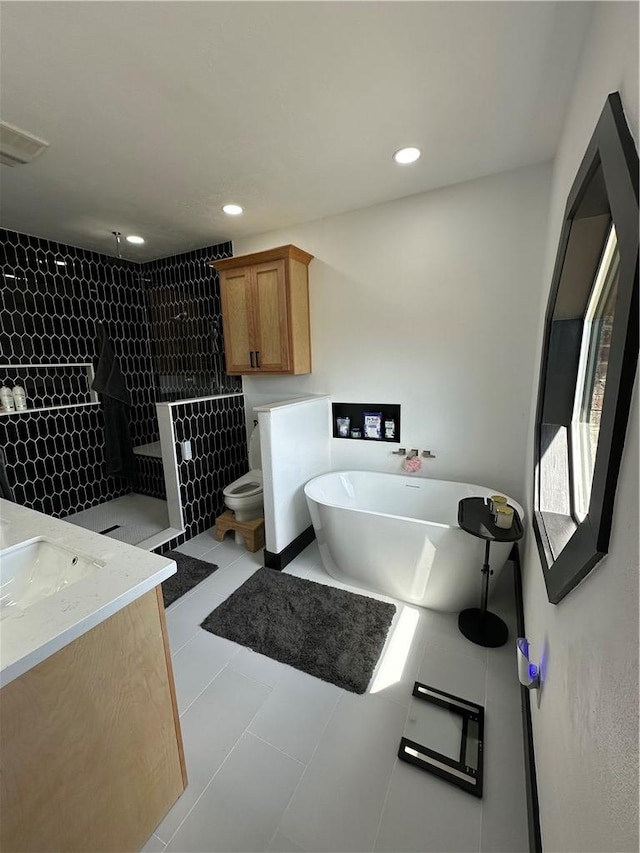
column 402, row 451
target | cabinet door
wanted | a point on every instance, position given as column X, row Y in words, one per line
column 235, row 292
column 270, row 316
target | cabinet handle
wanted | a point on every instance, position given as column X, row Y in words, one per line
column 251, row 357
column 257, row 358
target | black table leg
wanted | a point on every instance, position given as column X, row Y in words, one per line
column 478, row 624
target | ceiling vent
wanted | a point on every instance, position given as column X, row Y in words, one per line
column 18, row 147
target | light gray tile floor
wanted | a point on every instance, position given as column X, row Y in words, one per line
column 138, row 518
column 280, row 761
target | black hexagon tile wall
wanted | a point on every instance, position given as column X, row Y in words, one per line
column 163, row 319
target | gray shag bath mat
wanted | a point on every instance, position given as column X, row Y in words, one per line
column 190, row 572
column 330, row 633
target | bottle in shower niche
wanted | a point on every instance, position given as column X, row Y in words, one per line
column 19, row 398
column 6, row 399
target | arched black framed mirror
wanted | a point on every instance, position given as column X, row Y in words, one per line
column 589, row 358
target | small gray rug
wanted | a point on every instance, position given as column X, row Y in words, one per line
column 330, row 633
column 190, row 573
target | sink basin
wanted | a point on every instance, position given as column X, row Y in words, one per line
column 36, row 569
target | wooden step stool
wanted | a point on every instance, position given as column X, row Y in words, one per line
column 251, row 531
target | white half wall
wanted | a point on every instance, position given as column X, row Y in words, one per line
column 164, row 413
column 585, row 719
column 294, row 446
column 431, row 302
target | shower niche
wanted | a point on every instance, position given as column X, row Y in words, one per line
column 50, row 386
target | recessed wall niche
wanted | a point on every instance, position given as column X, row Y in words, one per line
column 350, row 421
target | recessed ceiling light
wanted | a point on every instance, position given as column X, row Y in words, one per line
column 9, row 275
column 407, row 155
column 132, row 238
column 232, row 209
column 61, row 263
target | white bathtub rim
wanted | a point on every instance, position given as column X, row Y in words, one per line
column 411, row 518
column 488, row 490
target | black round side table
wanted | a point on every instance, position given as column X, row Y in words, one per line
column 477, row 623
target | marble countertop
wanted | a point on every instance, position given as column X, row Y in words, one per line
column 33, row 634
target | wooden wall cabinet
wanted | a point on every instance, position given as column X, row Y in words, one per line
column 265, row 311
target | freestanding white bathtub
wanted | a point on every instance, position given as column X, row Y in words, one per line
column 399, row 535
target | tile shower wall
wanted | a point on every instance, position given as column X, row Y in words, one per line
column 186, row 320
column 164, row 320
column 149, row 477
column 217, row 431
column 185, row 338
column 55, row 459
column 52, row 298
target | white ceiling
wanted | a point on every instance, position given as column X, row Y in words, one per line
column 159, row 112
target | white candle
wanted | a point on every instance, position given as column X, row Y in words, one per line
column 504, row 516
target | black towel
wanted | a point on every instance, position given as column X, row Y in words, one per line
column 109, row 382
column 6, row 491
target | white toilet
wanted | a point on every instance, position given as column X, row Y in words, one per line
column 244, row 495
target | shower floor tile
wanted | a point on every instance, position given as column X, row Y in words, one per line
column 134, row 518
column 279, row 761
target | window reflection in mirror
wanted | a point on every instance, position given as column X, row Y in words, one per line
column 567, row 455
column 589, row 358
column 592, row 374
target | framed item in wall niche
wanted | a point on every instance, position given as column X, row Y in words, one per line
column 589, row 358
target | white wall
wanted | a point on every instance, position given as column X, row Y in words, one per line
column 294, row 448
column 586, row 725
column 428, row 302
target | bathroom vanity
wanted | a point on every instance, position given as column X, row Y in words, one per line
column 90, row 746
